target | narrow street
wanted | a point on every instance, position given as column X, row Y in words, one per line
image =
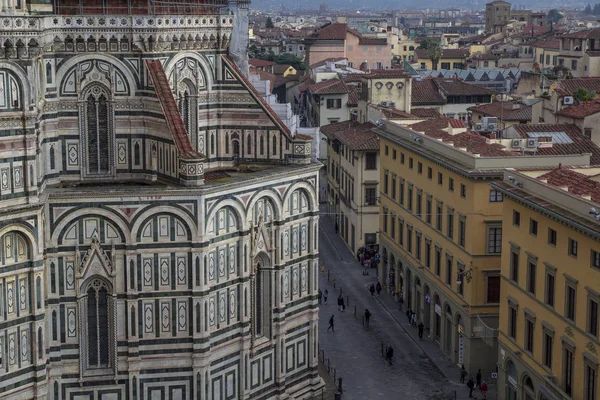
column 355, row 351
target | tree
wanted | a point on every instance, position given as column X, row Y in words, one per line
column 583, row 94
column 588, row 9
column 289, row 59
column 554, row 16
column 428, row 42
column 434, row 53
column 269, row 23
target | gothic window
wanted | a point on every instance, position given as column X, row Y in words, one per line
column 262, row 300
column 10, row 92
column 262, row 145
column 173, row 167
column 52, row 278
column 167, row 159
column 98, row 323
column 198, row 317
column 160, row 158
column 197, row 271
column 38, row 292
column 131, row 275
column 132, row 321
column 52, row 158
column 97, row 130
column 226, row 143
column 274, row 145
column 249, row 144
column 54, row 326
column 48, row 72
column 184, row 109
column 212, row 144
column 40, row 339
column 136, row 153
column 186, row 97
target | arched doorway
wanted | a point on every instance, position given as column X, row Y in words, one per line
column 235, row 140
column 427, row 311
column 528, row 390
column 459, row 351
column 418, row 300
column 511, row 381
column 437, row 325
column 408, row 298
column 448, row 332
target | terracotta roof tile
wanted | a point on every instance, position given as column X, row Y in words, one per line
column 580, row 110
column 577, row 183
column 586, row 34
column 335, row 31
column 355, row 136
column 328, row 87
column 548, row 44
column 352, row 96
column 567, row 87
column 425, row 112
column 457, row 123
column 580, row 143
column 325, row 61
column 259, row 63
column 505, row 110
column 426, row 92
column 456, row 87
column 363, row 41
column 422, row 54
column 386, row 73
column 280, row 69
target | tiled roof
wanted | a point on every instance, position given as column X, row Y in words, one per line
column 352, row 96
column 567, row 87
column 363, row 41
column 548, row 44
column 423, row 54
column 505, row 110
column 425, row 112
column 426, row 92
column 586, row 34
column 392, row 113
column 352, row 78
column 335, row 31
column 457, row 123
column 580, row 110
column 354, row 136
column 456, row 87
column 259, row 63
column 580, row 143
column 577, row 183
column 328, row 87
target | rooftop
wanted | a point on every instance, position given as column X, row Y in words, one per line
column 426, row 92
column 331, row 86
column 422, row 54
column 567, row 87
column 260, row 63
column 580, row 110
column 508, row 110
column 353, row 135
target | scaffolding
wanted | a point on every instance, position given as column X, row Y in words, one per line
column 138, row 7
column 484, row 332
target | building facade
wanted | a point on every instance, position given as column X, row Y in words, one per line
column 548, row 339
column 497, row 15
column 137, row 260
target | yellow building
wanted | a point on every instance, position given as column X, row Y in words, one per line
column 402, row 47
column 441, row 229
column 546, row 53
column 550, row 292
column 502, row 115
column 451, row 59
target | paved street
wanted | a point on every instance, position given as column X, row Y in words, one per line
column 355, row 351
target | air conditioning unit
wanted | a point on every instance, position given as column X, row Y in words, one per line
column 392, row 104
column 478, row 127
column 515, row 143
column 532, row 143
column 490, row 120
column 492, row 127
column 383, row 104
column 568, row 100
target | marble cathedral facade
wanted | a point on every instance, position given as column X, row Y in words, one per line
column 158, row 222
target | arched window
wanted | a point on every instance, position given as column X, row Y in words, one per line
column 226, row 143
column 132, row 321
column 97, row 325
column 48, row 72
column 52, row 158
column 197, row 271
column 262, row 300
column 262, row 145
column 187, row 99
column 274, row 145
column 249, row 144
column 52, row 278
column 56, row 391
column 131, row 275
column 136, row 153
column 198, row 317
column 160, row 158
column 54, row 326
column 97, row 130
column 173, row 162
column 40, row 343
column 184, row 109
column 212, row 144
column 167, row 159
column 38, row 292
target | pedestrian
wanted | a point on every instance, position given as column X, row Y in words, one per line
column 322, row 269
column 320, row 295
column 483, row 388
column 421, row 327
column 470, row 385
column 339, row 303
column 378, row 288
column 331, row 325
column 463, row 373
column 409, row 314
column 401, row 301
column 325, row 296
column 343, row 303
column 334, row 283
column 390, row 354
column 367, row 316
column 337, row 228
column 372, row 290
column 478, row 378
column 413, row 318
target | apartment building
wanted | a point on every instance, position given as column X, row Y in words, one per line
column 441, row 226
column 550, row 293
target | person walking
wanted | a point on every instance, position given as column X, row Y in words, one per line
column 413, row 318
column 339, row 303
column 320, row 295
column 478, row 378
column 325, row 296
column 372, row 290
column 401, row 300
column 463, row 373
column 483, row 388
column 367, row 316
column 337, row 228
column 409, row 315
column 421, row 327
column 470, row 385
column 378, row 288
column 331, row 325
column 343, row 304
column 390, row 355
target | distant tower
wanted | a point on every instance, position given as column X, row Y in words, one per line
column 323, row 7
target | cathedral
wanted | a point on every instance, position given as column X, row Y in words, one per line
column 158, row 221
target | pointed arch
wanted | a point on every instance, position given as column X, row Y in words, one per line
column 96, row 130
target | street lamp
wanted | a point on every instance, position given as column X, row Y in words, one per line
column 464, row 274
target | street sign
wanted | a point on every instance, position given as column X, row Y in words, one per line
column 494, row 375
column 377, row 256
